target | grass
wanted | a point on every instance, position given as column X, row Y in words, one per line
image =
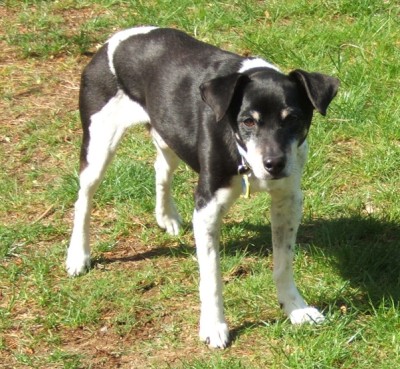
column 138, row 305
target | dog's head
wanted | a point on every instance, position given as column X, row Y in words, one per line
column 270, row 113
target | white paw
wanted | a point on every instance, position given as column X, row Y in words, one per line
column 306, row 315
column 77, row 263
column 171, row 222
column 215, row 335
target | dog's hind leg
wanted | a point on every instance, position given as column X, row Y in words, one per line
column 166, row 162
column 286, row 210
column 104, row 131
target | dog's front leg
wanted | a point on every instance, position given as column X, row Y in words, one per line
column 286, row 211
column 206, row 225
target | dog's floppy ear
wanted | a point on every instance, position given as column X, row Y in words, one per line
column 218, row 92
column 320, row 88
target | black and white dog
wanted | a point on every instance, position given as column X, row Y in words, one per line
column 227, row 117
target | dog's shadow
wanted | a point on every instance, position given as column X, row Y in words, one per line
column 365, row 251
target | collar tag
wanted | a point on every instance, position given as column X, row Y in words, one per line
column 245, row 186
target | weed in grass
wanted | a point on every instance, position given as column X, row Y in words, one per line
column 68, row 360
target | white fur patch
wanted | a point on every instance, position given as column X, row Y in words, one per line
column 256, row 63
column 116, row 39
column 206, row 226
column 110, row 123
column 255, row 159
column 295, row 159
column 306, row 315
column 286, row 211
column 106, row 130
column 166, row 162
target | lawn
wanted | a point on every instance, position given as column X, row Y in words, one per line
column 138, row 306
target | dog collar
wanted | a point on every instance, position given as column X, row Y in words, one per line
column 243, row 170
column 243, row 167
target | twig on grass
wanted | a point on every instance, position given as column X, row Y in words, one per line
column 46, row 213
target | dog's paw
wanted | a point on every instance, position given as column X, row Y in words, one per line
column 215, row 335
column 77, row 264
column 170, row 222
column 306, row 315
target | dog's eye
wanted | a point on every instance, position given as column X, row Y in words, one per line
column 249, row 122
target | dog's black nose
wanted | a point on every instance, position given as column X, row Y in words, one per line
column 275, row 165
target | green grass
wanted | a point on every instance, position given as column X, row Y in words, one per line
column 138, row 305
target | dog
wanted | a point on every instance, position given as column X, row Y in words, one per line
column 237, row 121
